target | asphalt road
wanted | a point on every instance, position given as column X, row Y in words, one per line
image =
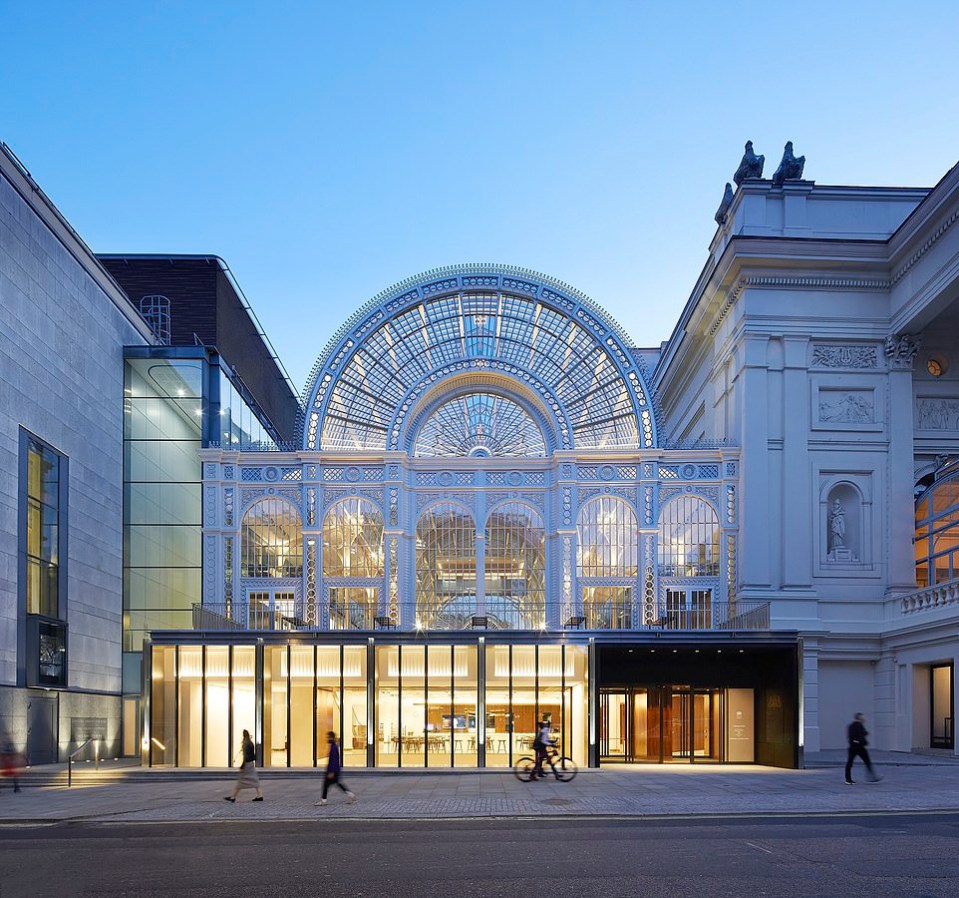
column 877, row 855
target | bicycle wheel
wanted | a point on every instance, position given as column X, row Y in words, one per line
column 523, row 769
column 565, row 769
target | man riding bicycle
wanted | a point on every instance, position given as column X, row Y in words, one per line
column 541, row 744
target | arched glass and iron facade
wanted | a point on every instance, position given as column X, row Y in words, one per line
column 479, row 500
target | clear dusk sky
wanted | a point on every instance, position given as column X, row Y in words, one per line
column 328, row 150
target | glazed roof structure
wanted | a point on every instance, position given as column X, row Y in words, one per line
column 511, row 344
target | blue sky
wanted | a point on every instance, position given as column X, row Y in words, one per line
column 328, row 150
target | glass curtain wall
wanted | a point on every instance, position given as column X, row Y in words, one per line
column 163, row 427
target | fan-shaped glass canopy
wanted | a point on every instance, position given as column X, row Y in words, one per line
column 361, row 397
column 480, row 424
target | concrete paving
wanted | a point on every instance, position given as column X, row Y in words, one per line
column 910, row 783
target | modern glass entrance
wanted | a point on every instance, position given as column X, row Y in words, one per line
column 675, row 724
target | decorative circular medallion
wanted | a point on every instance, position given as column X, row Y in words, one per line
column 514, row 478
column 689, row 471
column 271, row 473
column 353, row 474
column 607, row 472
column 445, row 478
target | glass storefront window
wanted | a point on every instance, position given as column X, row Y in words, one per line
column 162, row 747
column 413, row 732
column 275, row 720
column 439, row 714
column 387, row 706
column 190, row 705
column 355, row 732
column 244, row 698
column 465, row 723
column 301, row 706
column 498, row 715
column 217, row 706
column 427, row 712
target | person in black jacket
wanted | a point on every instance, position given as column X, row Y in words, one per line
column 334, row 766
column 857, row 747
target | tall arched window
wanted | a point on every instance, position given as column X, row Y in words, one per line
column 608, row 545
column 607, row 556
column 445, row 566
column 688, row 538
column 353, row 540
column 937, row 533
column 515, row 567
column 272, row 540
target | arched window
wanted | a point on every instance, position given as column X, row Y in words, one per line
column 482, row 425
column 688, row 538
column 445, row 567
column 272, row 540
column 937, row 533
column 515, row 567
column 353, row 540
column 608, row 544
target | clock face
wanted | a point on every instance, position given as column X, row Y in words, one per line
column 934, row 367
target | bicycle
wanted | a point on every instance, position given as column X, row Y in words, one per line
column 564, row 768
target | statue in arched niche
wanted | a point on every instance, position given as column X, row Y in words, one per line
column 842, row 524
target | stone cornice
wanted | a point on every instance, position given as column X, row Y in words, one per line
column 930, row 241
column 793, row 283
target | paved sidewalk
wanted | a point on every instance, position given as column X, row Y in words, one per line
column 911, row 783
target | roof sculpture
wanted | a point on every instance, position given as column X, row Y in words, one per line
column 448, row 362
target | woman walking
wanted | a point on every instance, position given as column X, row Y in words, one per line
column 248, row 778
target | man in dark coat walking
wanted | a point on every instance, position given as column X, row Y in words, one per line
column 857, row 748
column 333, row 768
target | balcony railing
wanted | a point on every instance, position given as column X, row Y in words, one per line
column 493, row 615
column 942, row 595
